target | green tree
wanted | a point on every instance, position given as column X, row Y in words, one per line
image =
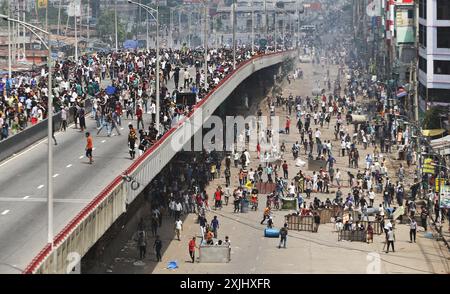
column 432, row 119
column 106, row 28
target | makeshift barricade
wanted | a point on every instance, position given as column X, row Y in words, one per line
column 300, row 223
column 265, row 188
column 290, row 203
column 357, row 236
column 214, row 254
column 325, row 215
column 376, row 225
column 316, row 165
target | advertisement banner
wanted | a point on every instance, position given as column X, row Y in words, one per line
column 445, row 197
column 428, row 166
column 42, row 3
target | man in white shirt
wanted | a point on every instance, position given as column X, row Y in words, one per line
column 178, row 228
column 317, row 135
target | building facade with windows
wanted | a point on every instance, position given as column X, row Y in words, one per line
column 434, row 52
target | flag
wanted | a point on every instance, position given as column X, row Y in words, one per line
column 42, row 3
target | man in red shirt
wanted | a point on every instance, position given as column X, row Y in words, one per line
column 285, row 169
column 139, row 117
column 192, row 247
column 218, row 198
column 288, row 125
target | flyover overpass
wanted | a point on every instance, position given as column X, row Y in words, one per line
column 88, row 199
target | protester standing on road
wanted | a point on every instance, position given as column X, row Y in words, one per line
column 132, row 141
column 412, row 230
column 283, row 236
column 158, row 246
column 215, row 225
column 390, row 240
column 178, row 228
column 89, row 147
column 142, row 243
column 424, row 217
column 192, row 247
column 266, row 214
column 316, row 222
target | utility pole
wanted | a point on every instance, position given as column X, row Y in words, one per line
column 24, row 30
column 87, row 19
column 9, row 41
column 189, row 28
column 234, row 33
column 115, row 25
column 59, row 17
column 253, row 27
column 76, row 36
column 147, row 37
column 206, row 44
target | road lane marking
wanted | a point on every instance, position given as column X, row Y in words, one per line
column 81, row 156
column 55, row 175
column 5, row 212
column 34, row 199
column 103, row 141
column 26, row 197
column 69, row 165
column 40, row 187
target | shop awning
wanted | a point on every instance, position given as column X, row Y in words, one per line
column 433, row 132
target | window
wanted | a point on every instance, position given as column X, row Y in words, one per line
column 423, row 9
column 443, row 9
column 443, row 37
column 442, row 67
column 410, row 14
column 422, row 64
column 423, row 35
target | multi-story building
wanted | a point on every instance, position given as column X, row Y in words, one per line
column 434, row 52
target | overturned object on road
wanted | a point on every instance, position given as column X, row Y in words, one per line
column 358, row 236
column 271, row 233
column 317, row 91
column 300, row 223
column 357, row 119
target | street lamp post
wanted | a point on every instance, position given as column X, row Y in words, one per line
column 33, row 30
column 9, row 42
column 150, row 11
column 206, row 44
column 253, row 27
column 115, row 26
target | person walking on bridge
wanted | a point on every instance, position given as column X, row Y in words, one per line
column 89, row 147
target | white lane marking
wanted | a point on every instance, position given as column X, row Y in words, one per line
column 5, row 212
column 40, row 186
column 55, row 175
column 103, row 141
column 14, row 156
column 34, row 199
column 69, row 165
column 81, row 156
column 26, row 197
